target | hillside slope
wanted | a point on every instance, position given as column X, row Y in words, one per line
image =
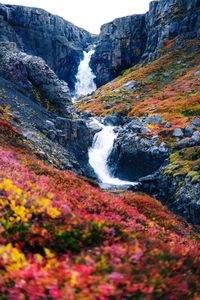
column 64, row 239
column 159, row 103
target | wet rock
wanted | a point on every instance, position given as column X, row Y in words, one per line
column 86, row 114
column 115, row 120
column 133, row 157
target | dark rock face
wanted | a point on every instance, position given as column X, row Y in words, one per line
column 60, row 141
column 120, row 45
column 126, row 41
column 168, row 19
column 134, row 156
column 183, row 200
column 33, row 77
column 73, row 135
column 50, row 37
column 179, row 194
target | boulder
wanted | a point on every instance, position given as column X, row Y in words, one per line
column 130, row 85
column 154, row 119
column 196, row 137
column 134, row 156
column 178, row 132
column 115, row 120
column 188, row 131
column 196, row 122
column 50, row 124
column 167, row 125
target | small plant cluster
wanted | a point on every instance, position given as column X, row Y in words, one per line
column 185, row 163
column 61, row 238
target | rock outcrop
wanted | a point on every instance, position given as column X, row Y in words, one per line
column 33, row 77
column 120, row 45
column 125, row 41
column 180, row 193
column 135, row 155
column 38, row 33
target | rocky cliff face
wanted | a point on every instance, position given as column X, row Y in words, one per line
column 126, row 41
column 120, row 45
column 37, row 99
column 50, row 37
column 34, row 79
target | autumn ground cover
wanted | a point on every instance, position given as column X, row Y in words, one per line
column 169, row 86
column 61, row 238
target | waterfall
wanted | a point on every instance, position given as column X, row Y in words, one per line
column 99, row 153
column 85, row 84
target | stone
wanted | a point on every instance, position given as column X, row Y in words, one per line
column 154, row 119
column 115, row 120
column 197, row 73
column 134, row 156
column 196, row 136
column 184, row 143
column 177, row 132
column 188, row 131
column 167, row 125
column 196, row 122
column 190, row 92
column 173, row 28
column 61, row 122
column 49, row 124
column 134, row 122
column 86, row 114
column 130, row 85
column 94, row 126
column 155, row 138
column 52, row 134
column 145, row 130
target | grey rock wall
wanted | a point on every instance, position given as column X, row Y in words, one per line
column 125, row 41
column 39, row 33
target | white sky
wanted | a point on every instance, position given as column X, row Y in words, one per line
column 88, row 14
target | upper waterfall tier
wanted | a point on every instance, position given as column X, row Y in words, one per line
column 85, row 84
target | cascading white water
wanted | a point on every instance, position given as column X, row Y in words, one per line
column 99, row 152
column 85, row 84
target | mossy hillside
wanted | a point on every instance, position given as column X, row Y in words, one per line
column 185, row 163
